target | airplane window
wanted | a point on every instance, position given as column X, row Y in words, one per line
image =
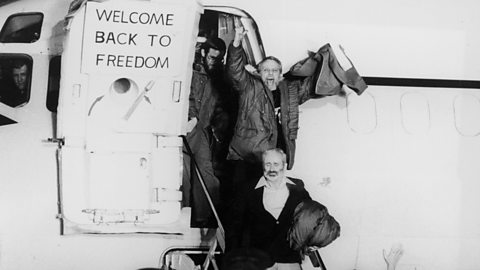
column 53, row 83
column 362, row 113
column 466, row 109
column 415, row 113
column 22, row 28
column 15, row 77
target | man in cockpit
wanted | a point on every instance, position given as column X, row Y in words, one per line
column 15, row 91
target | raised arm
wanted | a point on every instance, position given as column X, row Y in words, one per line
column 392, row 258
column 236, row 61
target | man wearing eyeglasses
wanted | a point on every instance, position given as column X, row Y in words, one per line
column 210, row 109
column 267, row 113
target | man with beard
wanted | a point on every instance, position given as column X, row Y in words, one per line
column 268, row 112
column 209, row 115
column 263, row 218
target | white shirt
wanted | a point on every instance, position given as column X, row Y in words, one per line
column 274, row 198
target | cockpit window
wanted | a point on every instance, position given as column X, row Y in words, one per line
column 22, row 28
column 15, row 77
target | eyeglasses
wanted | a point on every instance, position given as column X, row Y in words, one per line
column 214, row 59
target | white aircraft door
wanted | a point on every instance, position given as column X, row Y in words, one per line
column 126, row 71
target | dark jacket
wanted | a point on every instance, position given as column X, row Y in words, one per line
column 330, row 75
column 203, row 97
column 263, row 230
column 210, row 101
column 312, row 226
column 209, row 98
column 256, row 128
column 11, row 95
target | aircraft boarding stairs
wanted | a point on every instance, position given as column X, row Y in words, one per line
column 198, row 258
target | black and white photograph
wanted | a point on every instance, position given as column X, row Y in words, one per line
column 239, row 135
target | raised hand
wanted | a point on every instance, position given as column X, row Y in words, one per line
column 239, row 32
column 392, row 258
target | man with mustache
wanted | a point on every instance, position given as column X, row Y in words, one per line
column 267, row 112
column 262, row 219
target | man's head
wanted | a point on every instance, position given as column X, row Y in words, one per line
column 213, row 51
column 270, row 70
column 274, row 164
column 20, row 74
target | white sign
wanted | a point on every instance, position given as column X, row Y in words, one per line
column 143, row 38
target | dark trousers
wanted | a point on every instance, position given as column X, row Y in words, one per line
column 194, row 195
column 244, row 175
